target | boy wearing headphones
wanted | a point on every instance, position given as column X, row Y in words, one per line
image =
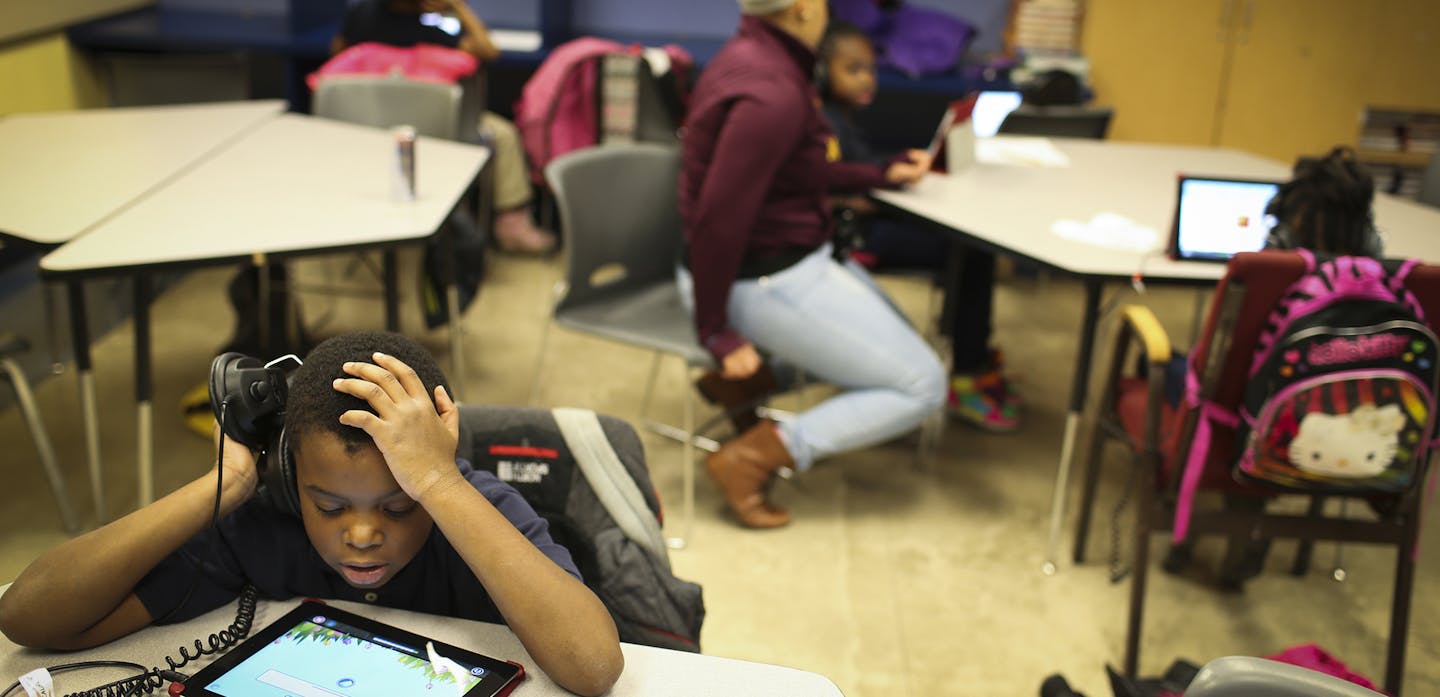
column 386, row 515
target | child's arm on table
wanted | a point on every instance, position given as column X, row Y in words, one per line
column 561, row 623
column 80, row 594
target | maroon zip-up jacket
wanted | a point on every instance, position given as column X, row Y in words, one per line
column 756, row 169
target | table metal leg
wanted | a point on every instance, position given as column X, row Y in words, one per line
column 1079, row 384
column 392, row 290
column 89, row 414
column 145, row 432
column 262, row 306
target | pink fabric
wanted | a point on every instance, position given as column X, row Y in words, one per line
column 1341, row 273
column 1195, row 463
column 1312, row 657
column 556, row 112
column 420, row 62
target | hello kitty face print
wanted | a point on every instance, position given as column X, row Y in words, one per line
column 1359, row 444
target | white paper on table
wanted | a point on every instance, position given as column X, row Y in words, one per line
column 1110, row 230
column 515, row 39
column 1027, row 152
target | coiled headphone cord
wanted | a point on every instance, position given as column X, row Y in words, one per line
column 149, row 681
column 155, row 678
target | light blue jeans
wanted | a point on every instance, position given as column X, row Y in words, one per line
column 834, row 323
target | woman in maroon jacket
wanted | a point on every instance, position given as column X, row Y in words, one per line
column 759, row 165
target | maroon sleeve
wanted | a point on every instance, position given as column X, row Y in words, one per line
column 856, row 177
column 759, row 133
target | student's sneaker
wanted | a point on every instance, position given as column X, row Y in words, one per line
column 984, row 401
column 515, row 232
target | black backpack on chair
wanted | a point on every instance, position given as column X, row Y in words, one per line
column 586, row 476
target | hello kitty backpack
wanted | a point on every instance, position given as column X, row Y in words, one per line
column 1341, row 391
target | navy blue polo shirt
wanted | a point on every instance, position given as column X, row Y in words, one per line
column 269, row 548
column 372, row 20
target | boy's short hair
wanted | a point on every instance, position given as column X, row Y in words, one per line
column 836, row 30
column 313, row 405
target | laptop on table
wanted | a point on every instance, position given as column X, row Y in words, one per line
column 1219, row 217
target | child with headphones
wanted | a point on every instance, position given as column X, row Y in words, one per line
column 979, row 392
column 360, row 498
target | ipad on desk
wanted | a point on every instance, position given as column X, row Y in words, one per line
column 317, row 650
column 1217, row 217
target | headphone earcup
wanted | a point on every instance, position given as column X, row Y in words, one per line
column 277, row 476
column 247, row 398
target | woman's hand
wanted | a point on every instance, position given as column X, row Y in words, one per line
column 416, row 435
column 910, row 170
column 740, row 363
column 239, row 476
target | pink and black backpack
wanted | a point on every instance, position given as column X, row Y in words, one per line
column 1341, row 395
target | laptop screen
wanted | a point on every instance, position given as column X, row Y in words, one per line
column 990, row 109
column 1216, row 218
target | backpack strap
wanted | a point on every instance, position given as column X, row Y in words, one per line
column 609, row 479
column 1309, row 258
column 1199, row 450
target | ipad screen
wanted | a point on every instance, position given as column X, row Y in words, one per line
column 1219, row 218
column 330, row 654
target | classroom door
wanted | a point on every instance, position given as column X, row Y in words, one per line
column 1159, row 65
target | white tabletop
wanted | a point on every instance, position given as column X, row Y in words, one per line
column 1015, row 207
column 648, row 670
column 62, row 172
column 296, row 183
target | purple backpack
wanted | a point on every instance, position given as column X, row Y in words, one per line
column 913, row 40
column 1341, row 391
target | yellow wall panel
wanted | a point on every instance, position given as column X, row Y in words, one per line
column 1157, row 62
column 46, row 74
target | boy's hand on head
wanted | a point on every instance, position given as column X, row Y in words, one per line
column 415, row 434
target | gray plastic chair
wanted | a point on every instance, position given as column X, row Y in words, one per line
column 1430, row 183
column 1058, row 121
column 433, row 109
column 12, row 344
column 1244, row 676
column 620, row 211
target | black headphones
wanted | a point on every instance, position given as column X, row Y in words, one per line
column 248, row 398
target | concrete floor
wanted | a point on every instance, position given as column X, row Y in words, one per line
column 894, row 579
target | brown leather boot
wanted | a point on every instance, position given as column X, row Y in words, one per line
column 738, row 398
column 743, row 469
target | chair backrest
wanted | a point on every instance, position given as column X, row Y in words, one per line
column 1430, row 183
column 619, row 207
column 1244, row 676
column 432, row 108
column 1253, row 285
column 1058, row 121
column 557, row 460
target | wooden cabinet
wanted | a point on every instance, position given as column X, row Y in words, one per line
column 1279, row 78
